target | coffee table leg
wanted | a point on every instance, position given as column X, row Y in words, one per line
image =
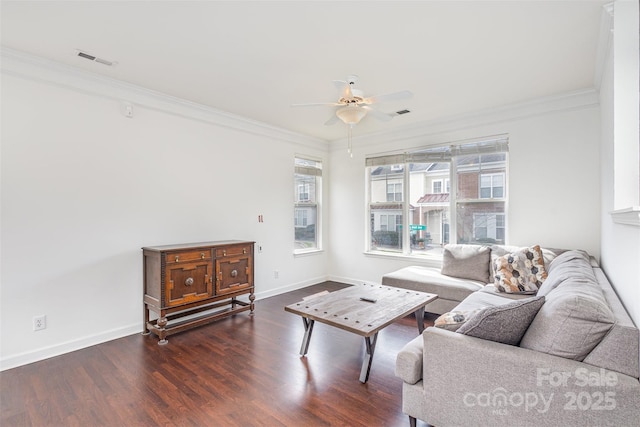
column 420, row 319
column 368, row 358
column 308, row 328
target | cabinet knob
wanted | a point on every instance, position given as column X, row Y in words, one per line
column 201, row 255
column 189, row 281
column 177, row 258
column 234, row 273
column 244, row 250
column 224, row 252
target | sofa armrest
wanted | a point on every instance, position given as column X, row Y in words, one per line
column 471, row 381
column 409, row 361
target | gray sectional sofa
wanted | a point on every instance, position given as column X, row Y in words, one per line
column 564, row 355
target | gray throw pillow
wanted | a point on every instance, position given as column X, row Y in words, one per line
column 505, row 323
column 467, row 262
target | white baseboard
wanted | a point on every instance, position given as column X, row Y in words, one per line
column 67, row 347
column 291, row 287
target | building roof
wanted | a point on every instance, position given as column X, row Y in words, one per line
column 434, row 198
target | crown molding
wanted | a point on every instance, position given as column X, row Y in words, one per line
column 569, row 101
column 23, row 65
column 604, row 43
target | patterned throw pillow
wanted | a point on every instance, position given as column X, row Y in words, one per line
column 520, row 272
column 454, row 319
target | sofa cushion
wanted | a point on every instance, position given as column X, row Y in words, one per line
column 452, row 320
column 520, row 272
column 467, row 262
column 506, row 323
column 569, row 265
column 430, row 280
column 573, row 320
column 480, row 300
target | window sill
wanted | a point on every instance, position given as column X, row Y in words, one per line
column 628, row 216
column 307, row 252
column 428, row 261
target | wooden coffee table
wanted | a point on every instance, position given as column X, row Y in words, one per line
column 344, row 309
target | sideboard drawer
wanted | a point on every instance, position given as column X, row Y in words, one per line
column 188, row 256
column 232, row 251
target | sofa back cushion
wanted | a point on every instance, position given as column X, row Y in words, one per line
column 569, row 265
column 572, row 322
column 466, row 262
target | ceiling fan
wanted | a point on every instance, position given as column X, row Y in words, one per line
column 354, row 106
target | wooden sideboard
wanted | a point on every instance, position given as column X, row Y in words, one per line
column 190, row 285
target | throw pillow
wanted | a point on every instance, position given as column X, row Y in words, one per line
column 520, row 272
column 467, row 262
column 453, row 319
column 505, row 323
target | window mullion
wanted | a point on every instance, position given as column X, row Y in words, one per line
column 453, row 197
column 406, row 232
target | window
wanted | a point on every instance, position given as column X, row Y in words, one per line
column 456, row 194
column 439, row 186
column 394, row 192
column 301, row 218
column 488, row 227
column 306, row 210
column 303, row 192
column 492, row 186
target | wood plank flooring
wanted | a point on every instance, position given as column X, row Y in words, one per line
column 240, row 371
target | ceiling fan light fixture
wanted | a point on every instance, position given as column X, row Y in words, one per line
column 351, row 115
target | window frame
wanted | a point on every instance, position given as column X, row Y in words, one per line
column 446, row 153
column 311, row 168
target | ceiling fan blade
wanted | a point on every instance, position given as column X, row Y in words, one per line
column 317, row 104
column 332, row 120
column 405, row 94
column 344, row 88
column 378, row 114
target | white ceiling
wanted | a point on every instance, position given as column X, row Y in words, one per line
column 255, row 59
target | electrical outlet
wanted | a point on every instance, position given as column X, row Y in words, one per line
column 39, row 323
column 276, row 274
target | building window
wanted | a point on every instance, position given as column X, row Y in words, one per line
column 394, row 192
column 492, row 186
column 303, row 192
column 306, row 210
column 439, row 186
column 456, row 194
column 488, row 227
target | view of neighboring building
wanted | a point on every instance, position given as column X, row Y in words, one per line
column 478, row 203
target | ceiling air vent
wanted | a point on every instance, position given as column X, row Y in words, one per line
column 93, row 58
column 402, row 112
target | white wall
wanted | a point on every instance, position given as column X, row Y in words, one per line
column 619, row 95
column 553, row 188
column 84, row 188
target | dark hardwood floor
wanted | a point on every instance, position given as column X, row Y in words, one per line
column 240, row 371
